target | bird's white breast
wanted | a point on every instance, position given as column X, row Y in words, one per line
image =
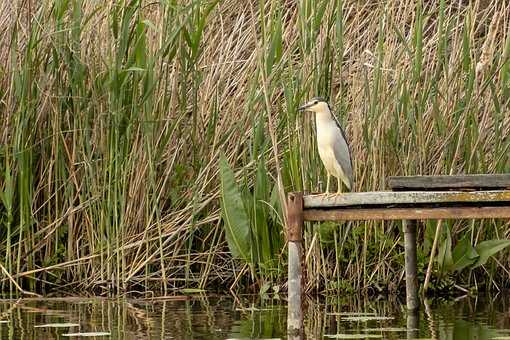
column 329, row 136
column 327, row 131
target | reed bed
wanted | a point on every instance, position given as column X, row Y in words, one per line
column 114, row 115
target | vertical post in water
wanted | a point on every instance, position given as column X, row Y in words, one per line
column 410, row 262
column 295, row 237
column 412, row 324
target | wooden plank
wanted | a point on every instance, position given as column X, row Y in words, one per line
column 403, row 197
column 354, row 214
column 496, row 181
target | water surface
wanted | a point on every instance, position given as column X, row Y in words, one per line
column 226, row 317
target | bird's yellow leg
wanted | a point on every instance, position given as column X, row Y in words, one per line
column 327, row 183
column 339, row 184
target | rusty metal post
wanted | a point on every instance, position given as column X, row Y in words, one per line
column 295, row 238
column 410, row 263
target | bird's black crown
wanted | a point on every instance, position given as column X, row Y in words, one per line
column 319, row 99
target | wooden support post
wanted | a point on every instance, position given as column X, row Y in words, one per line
column 410, row 263
column 412, row 324
column 295, row 237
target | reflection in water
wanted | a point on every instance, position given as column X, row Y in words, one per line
column 193, row 318
column 251, row 318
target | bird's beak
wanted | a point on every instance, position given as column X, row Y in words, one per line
column 304, row 107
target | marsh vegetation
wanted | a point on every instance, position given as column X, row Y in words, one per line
column 126, row 126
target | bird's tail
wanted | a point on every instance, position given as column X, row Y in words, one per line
column 351, row 184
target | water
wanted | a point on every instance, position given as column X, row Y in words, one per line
column 251, row 318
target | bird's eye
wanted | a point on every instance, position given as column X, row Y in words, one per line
column 315, row 102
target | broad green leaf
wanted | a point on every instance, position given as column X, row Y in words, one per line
column 260, row 225
column 464, row 255
column 428, row 235
column 235, row 218
column 444, row 256
column 488, row 248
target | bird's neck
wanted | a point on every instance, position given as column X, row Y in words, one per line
column 323, row 116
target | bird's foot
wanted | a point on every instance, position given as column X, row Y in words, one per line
column 328, row 194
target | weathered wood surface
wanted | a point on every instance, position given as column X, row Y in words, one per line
column 496, row 181
column 294, row 307
column 412, row 301
column 403, row 197
column 413, row 323
column 295, row 272
column 357, row 214
column 295, row 216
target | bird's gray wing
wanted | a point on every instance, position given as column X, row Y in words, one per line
column 343, row 153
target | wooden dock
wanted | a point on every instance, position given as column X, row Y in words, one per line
column 411, row 199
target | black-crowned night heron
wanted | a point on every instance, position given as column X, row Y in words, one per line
column 332, row 143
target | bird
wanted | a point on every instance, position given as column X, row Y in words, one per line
column 332, row 144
